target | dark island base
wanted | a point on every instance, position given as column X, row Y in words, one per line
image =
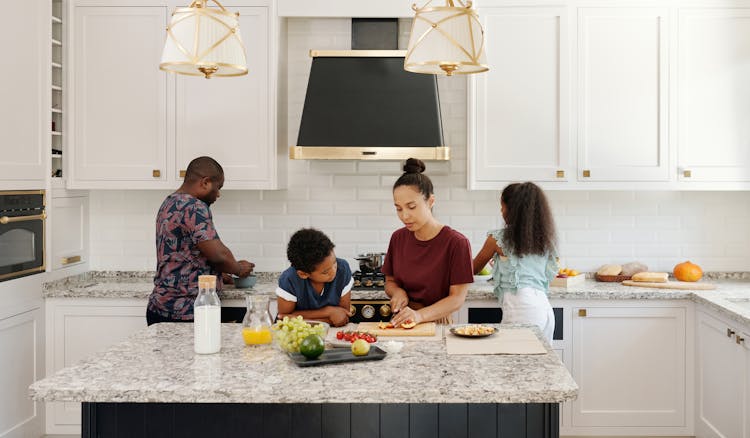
column 453, row 420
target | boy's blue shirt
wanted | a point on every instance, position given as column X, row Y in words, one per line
column 302, row 293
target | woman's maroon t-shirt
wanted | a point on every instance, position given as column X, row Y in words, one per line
column 427, row 269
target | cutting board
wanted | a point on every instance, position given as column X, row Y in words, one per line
column 423, row 329
column 684, row 285
column 504, row 341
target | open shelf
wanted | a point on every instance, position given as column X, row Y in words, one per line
column 56, row 65
column 56, row 42
column 57, row 88
column 56, row 20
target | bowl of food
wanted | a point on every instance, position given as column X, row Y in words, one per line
column 244, row 282
column 288, row 333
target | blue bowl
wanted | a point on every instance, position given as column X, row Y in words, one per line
column 244, row 282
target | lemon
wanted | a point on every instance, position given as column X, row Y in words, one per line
column 485, row 271
column 312, row 346
column 360, row 347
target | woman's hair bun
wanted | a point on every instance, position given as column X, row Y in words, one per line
column 414, row 165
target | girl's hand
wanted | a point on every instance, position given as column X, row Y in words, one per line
column 399, row 301
column 406, row 314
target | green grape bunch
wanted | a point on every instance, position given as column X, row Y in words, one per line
column 288, row 333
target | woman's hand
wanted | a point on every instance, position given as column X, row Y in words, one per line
column 406, row 314
column 399, row 301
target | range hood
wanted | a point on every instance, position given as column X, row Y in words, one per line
column 363, row 105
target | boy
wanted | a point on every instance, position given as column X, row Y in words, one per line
column 317, row 285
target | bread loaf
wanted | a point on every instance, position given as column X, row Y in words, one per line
column 653, row 277
column 610, row 270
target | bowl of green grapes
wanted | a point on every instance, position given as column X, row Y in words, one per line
column 288, row 333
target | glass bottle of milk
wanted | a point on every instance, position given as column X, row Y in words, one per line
column 207, row 316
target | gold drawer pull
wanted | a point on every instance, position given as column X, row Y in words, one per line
column 586, row 173
column 739, row 339
column 156, row 173
column 582, row 312
column 560, row 174
column 72, row 259
column 687, row 173
column 730, row 333
column 182, row 174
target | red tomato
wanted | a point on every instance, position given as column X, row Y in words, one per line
column 340, row 335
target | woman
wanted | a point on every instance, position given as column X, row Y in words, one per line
column 428, row 265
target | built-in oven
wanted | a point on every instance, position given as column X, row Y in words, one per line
column 22, row 217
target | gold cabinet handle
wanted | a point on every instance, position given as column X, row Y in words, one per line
column 586, row 173
column 582, row 312
column 71, row 259
column 182, row 173
column 560, row 174
column 7, row 220
column 739, row 339
column 156, row 173
column 687, row 173
column 730, row 333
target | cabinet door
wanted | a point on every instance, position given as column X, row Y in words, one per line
column 518, row 110
column 120, row 97
column 21, row 364
column 622, row 94
column 745, row 344
column 74, row 340
column 25, row 26
column 630, row 366
column 231, row 119
column 714, row 95
column 719, row 410
column 69, row 231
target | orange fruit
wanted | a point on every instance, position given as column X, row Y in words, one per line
column 409, row 324
column 687, row 271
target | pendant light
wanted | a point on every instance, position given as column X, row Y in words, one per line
column 446, row 40
column 203, row 41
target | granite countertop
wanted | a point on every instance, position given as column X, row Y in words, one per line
column 157, row 364
column 731, row 297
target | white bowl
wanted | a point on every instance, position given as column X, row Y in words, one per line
column 478, row 278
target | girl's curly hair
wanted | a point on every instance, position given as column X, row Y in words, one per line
column 529, row 227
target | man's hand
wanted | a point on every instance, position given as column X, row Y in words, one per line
column 338, row 316
column 246, row 268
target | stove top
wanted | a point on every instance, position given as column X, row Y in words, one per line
column 369, row 279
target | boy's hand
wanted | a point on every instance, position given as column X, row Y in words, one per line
column 338, row 316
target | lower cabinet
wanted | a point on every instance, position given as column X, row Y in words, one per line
column 77, row 328
column 723, row 378
column 630, row 364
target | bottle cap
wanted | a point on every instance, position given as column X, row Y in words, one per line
column 207, row 281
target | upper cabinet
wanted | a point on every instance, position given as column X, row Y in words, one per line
column 714, row 95
column 647, row 97
column 519, row 109
column 25, row 90
column 138, row 127
column 622, row 94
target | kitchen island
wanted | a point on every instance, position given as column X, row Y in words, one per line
column 154, row 385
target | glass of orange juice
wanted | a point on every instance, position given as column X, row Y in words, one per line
column 256, row 326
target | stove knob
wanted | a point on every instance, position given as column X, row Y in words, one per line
column 368, row 311
column 352, row 310
column 385, row 310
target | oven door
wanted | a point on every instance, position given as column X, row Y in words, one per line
column 21, row 245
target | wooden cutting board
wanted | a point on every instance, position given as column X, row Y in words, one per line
column 423, row 329
column 685, row 285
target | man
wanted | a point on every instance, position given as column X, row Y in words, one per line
column 187, row 244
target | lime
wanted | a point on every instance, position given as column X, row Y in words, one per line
column 360, row 347
column 312, row 346
column 485, row 271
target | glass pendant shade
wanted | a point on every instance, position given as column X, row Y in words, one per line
column 446, row 40
column 204, row 41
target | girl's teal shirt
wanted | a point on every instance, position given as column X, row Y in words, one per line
column 511, row 272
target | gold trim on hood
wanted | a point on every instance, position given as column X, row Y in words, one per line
column 438, row 153
column 358, row 53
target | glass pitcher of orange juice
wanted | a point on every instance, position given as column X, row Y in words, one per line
column 256, row 326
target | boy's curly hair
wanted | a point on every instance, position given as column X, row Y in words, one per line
column 529, row 227
column 307, row 248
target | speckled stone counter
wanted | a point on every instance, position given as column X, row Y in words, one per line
column 158, row 364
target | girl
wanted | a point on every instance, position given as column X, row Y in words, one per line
column 524, row 257
column 428, row 265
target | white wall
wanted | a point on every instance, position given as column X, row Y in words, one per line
column 351, row 201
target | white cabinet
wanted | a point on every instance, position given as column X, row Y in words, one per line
column 69, row 217
column 622, row 94
column 518, row 111
column 25, row 28
column 121, row 113
column 630, row 365
column 138, row 127
column 723, row 373
column 78, row 328
column 21, row 364
column 232, row 119
column 714, row 95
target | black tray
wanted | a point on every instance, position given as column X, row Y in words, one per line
column 337, row 355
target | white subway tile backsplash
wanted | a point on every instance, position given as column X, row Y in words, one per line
column 351, row 201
